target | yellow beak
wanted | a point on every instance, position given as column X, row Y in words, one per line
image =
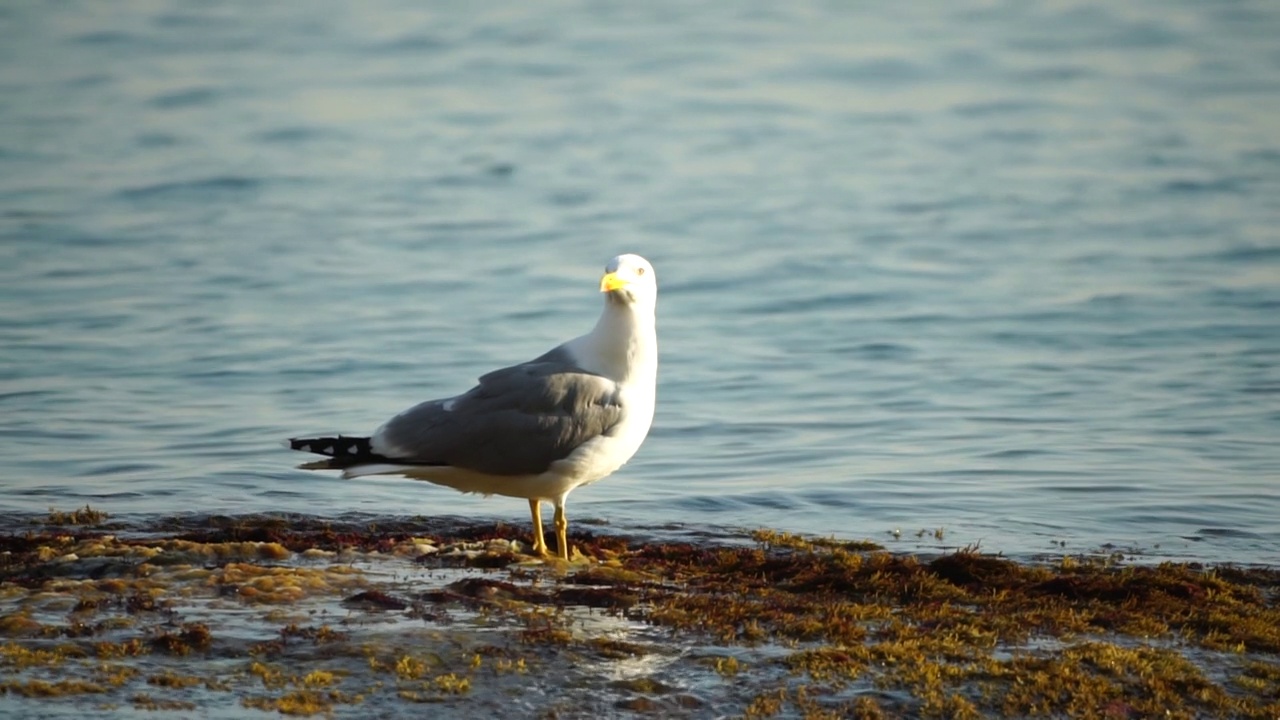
column 611, row 282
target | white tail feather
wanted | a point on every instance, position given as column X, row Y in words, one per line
column 375, row 469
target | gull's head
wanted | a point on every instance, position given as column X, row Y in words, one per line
column 630, row 279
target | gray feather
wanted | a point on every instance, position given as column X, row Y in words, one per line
column 516, row 421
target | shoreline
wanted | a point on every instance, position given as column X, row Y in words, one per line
column 263, row 615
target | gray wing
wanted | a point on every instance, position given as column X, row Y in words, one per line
column 516, row 421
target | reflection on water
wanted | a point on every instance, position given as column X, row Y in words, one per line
column 1008, row 271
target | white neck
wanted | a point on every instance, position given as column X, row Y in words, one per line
column 623, row 346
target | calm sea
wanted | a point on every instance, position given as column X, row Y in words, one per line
column 1006, row 273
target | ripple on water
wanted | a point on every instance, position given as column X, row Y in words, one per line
column 950, row 295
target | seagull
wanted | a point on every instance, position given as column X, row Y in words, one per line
column 535, row 430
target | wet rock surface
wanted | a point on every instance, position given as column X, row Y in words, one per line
column 296, row 615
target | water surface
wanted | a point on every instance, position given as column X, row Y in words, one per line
column 1007, row 274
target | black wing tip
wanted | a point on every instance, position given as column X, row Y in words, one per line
column 340, row 447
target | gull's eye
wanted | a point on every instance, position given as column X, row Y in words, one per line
column 639, row 272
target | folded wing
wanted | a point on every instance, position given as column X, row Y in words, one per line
column 516, row 421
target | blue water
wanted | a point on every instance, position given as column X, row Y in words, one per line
column 1008, row 270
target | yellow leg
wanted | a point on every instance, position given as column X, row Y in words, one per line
column 539, row 544
column 562, row 532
